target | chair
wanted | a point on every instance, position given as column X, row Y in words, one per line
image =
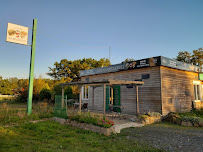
column 110, row 110
column 118, row 110
column 84, row 106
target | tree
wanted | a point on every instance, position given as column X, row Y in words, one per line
column 128, row 60
column 196, row 58
column 69, row 92
column 184, row 56
column 45, row 94
column 6, row 87
column 69, row 70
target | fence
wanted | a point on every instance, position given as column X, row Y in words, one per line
column 60, row 107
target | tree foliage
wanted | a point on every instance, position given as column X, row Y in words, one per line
column 69, row 70
column 128, row 60
column 196, row 58
column 9, row 86
column 45, row 94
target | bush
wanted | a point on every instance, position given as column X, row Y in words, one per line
column 68, row 91
column 143, row 117
column 154, row 114
column 22, row 98
column 57, row 90
column 192, row 113
column 171, row 117
column 45, row 94
column 194, row 117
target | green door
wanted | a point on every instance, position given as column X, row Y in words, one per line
column 107, row 97
column 117, row 98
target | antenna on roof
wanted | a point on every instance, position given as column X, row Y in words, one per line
column 110, row 53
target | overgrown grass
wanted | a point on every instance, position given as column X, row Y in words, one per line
column 95, row 120
column 51, row 136
column 12, row 113
column 192, row 113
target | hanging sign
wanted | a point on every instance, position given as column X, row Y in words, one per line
column 17, row 34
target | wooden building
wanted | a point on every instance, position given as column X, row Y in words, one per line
column 169, row 86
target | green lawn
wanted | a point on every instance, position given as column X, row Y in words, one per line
column 51, row 136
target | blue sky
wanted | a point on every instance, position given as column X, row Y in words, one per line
column 75, row 29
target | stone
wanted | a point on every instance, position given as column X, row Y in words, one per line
column 186, row 123
column 183, row 123
column 201, row 124
column 189, row 124
column 178, row 121
column 196, row 125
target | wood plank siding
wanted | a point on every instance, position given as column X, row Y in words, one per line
column 149, row 93
column 177, row 89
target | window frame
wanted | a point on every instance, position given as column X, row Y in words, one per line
column 197, row 87
column 85, row 92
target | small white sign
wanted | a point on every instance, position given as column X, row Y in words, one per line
column 17, row 34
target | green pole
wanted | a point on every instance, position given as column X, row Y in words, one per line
column 32, row 62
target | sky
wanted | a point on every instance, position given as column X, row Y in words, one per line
column 76, row 29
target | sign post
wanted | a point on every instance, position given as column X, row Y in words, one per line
column 19, row 34
column 32, row 62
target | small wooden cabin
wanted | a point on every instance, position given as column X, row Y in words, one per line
column 169, row 86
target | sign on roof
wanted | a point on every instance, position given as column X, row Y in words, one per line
column 17, row 34
column 149, row 62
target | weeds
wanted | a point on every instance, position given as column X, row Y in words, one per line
column 11, row 115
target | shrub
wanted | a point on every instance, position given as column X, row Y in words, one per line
column 193, row 120
column 193, row 117
column 87, row 118
column 171, row 117
column 57, row 90
column 154, row 114
column 68, row 91
column 187, row 119
column 143, row 117
column 45, row 94
column 22, row 98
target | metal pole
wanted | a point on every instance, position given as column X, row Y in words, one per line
column 110, row 53
column 32, row 62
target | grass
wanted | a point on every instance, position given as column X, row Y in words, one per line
column 18, row 134
column 51, row 136
column 12, row 113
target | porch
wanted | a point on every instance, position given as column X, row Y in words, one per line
column 106, row 106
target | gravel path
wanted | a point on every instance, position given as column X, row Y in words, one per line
column 168, row 137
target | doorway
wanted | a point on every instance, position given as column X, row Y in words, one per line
column 113, row 96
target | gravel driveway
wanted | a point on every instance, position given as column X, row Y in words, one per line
column 168, row 137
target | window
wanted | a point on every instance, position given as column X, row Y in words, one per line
column 145, row 76
column 85, row 92
column 197, row 90
column 170, row 100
